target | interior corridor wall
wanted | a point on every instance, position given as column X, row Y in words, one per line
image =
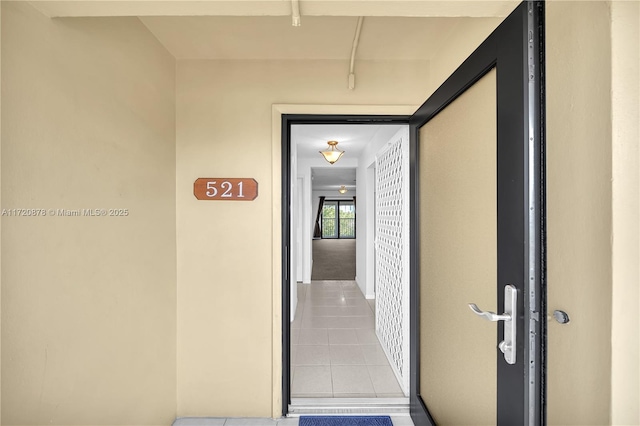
column 365, row 210
column 311, row 203
column 225, row 257
column 88, row 303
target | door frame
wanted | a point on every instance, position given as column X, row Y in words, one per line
column 516, row 48
column 287, row 120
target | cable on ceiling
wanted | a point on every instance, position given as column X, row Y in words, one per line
column 295, row 13
column 354, row 48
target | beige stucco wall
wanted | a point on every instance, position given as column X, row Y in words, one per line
column 579, row 211
column 625, row 368
column 88, row 303
column 0, row 219
column 592, row 196
column 462, row 42
column 225, row 251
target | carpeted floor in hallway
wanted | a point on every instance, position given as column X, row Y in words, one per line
column 334, row 259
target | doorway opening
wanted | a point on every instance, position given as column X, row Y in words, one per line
column 334, row 252
column 336, row 354
column 516, row 239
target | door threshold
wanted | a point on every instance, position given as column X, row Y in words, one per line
column 347, row 406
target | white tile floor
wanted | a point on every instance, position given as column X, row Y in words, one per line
column 335, row 352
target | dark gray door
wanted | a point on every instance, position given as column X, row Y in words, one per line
column 477, row 235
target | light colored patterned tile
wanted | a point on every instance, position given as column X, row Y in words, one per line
column 367, row 337
column 363, row 322
column 289, row 421
column 343, row 336
column 325, row 301
column 327, row 283
column 352, row 311
column 297, row 322
column 346, row 355
column 347, row 322
column 313, row 336
column 316, row 322
column 199, row 421
column 402, row 421
column 384, row 380
column 295, row 334
column 311, row 380
column 251, row 422
column 302, row 290
column 323, row 311
column 372, row 305
column 351, row 379
column 353, row 293
column 338, row 311
column 374, row 355
column 354, row 395
column 312, row 355
column 354, row 302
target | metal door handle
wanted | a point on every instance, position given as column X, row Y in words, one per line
column 507, row 346
column 488, row 315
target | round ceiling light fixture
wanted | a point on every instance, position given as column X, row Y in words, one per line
column 332, row 154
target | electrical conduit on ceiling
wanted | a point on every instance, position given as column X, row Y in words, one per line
column 295, row 13
column 295, row 21
column 354, row 48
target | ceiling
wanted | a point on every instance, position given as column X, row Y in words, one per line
column 273, row 37
column 319, row 37
column 329, row 179
column 424, row 8
column 352, row 138
column 262, row 30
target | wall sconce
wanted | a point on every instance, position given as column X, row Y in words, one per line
column 332, row 154
column 343, row 189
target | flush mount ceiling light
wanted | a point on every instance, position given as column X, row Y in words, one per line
column 332, row 154
column 343, row 189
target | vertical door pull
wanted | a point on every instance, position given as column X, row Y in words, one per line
column 507, row 346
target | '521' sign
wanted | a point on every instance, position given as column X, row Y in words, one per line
column 237, row 189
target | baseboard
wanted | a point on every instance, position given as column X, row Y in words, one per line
column 366, row 296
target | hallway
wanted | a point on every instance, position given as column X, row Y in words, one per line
column 334, row 259
column 335, row 352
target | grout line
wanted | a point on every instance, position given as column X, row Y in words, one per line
column 309, row 300
column 333, row 393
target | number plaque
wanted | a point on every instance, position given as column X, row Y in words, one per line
column 237, row 189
